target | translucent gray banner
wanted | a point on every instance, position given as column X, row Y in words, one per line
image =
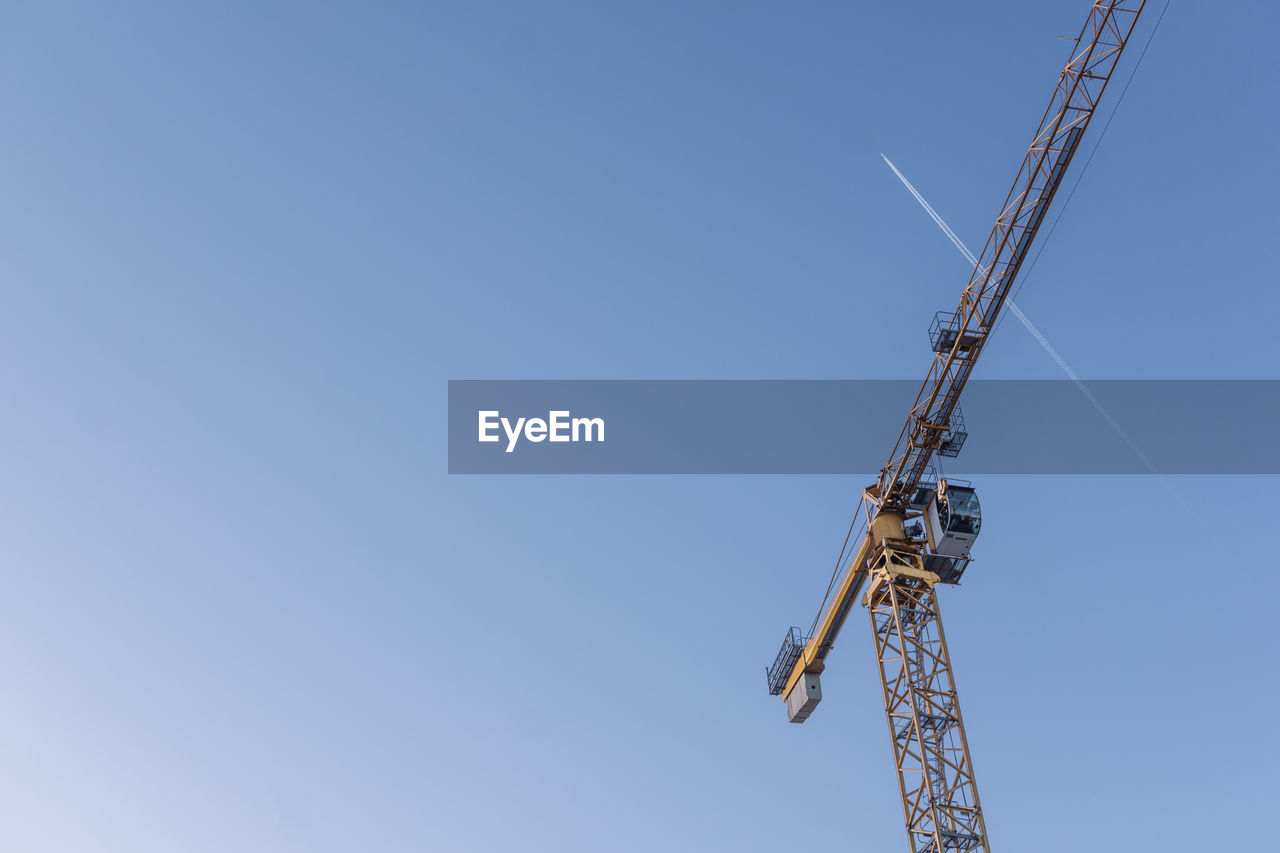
column 849, row 427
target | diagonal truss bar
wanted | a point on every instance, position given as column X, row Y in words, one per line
column 934, row 766
column 935, row 772
column 1093, row 58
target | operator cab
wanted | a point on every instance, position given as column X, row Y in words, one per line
column 952, row 520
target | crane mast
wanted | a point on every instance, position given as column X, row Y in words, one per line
column 899, row 566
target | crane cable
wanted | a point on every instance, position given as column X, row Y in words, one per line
column 835, row 572
column 1080, row 177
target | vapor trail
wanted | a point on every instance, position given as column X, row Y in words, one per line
column 946, row 229
column 1026, row 322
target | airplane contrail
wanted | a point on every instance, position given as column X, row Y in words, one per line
column 1026, row 322
column 946, row 229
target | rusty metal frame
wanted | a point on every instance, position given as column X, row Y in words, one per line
column 935, row 771
column 1080, row 87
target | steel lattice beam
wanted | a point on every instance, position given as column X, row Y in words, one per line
column 934, row 768
column 935, row 772
column 1080, row 87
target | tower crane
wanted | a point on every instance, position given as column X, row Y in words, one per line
column 919, row 529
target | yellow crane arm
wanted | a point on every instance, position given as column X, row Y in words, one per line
column 810, row 656
column 958, row 338
column 933, row 424
column 900, row 566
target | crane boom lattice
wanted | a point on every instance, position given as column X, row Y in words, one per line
column 900, row 561
column 965, row 332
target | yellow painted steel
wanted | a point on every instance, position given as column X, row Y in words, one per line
column 889, row 572
column 940, row 804
column 852, row 581
column 884, row 525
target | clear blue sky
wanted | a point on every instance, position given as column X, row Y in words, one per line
column 244, row 247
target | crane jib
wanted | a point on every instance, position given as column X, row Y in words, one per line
column 1030, row 214
column 1079, row 89
column 1032, row 226
column 895, row 567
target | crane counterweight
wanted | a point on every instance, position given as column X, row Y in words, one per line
column 919, row 533
column 804, row 697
